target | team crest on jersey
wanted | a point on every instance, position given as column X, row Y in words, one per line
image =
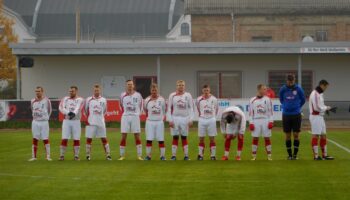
column 181, row 105
column 295, row 92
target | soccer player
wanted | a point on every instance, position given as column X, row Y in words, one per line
column 155, row 109
column 71, row 107
column 96, row 109
column 207, row 106
column 180, row 117
column 292, row 99
column 233, row 124
column 41, row 111
column 131, row 103
column 318, row 127
column 261, row 120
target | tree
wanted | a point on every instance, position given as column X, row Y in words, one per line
column 7, row 59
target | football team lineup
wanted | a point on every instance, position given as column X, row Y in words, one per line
column 179, row 112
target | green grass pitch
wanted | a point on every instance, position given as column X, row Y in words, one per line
column 132, row 179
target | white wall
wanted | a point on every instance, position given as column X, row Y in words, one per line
column 56, row 74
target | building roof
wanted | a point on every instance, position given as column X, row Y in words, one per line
column 267, row 7
column 46, row 49
column 106, row 19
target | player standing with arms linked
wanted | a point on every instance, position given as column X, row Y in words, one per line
column 95, row 110
column 261, row 120
column 155, row 109
column 131, row 103
column 180, row 117
column 292, row 98
column 41, row 111
column 71, row 107
column 233, row 124
column 207, row 106
column 318, row 126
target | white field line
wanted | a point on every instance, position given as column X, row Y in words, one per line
column 336, row 144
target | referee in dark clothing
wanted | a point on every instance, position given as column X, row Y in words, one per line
column 292, row 98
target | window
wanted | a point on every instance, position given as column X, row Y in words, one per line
column 225, row 84
column 185, row 29
column 262, row 39
column 321, row 36
column 278, row 78
column 143, row 84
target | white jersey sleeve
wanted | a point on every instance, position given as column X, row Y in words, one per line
column 316, row 103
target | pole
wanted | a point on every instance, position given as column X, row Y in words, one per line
column 300, row 81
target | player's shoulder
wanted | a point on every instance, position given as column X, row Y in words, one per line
column 172, row 94
column 199, row 98
column 252, row 99
column 80, row 98
column 213, row 97
column 188, row 94
column 32, row 100
column 137, row 94
column 161, row 98
column 148, row 98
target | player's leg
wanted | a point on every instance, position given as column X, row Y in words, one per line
column 125, row 128
column 175, row 142
column 184, row 133
column 314, row 145
column 287, row 129
column 66, row 130
column 229, row 137
column 136, row 129
column 255, row 143
column 138, row 145
column 35, row 139
column 76, row 131
column 201, row 147
column 89, row 134
column 240, row 138
column 267, row 133
column 102, row 133
column 160, row 138
column 150, row 133
column 212, row 132
column 296, row 132
column 323, row 140
column 255, row 138
column 202, row 130
column 45, row 137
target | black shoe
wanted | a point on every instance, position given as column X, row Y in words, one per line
column 290, row 158
column 318, row 158
column 295, row 157
column 200, row 157
column 173, row 158
column 108, row 158
column 213, row 158
column 186, row 158
column 328, row 158
column 88, row 158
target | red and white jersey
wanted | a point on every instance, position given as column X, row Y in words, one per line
column 131, row 104
column 316, row 103
column 155, row 108
column 260, row 108
column 239, row 120
column 180, row 105
column 207, row 107
column 41, row 109
column 74, row 105
column 96, row 109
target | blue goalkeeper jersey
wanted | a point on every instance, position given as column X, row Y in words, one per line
column 292, row 99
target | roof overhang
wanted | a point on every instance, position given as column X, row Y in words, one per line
column 208, row 48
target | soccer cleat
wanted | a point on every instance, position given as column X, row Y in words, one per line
column 48, row 159
column 290, row 158
column 162, row 158
column 213, row 158
column 147, row 158
column 32, row 159
column 121, row 158
column 173, row 158
column 140, row 158
column 328, row 158
column 61, row 158
column 238, row 158
column 295, row 157
column 76, row 158
column 269, row 158
column 253, row 158
column 200, row 157
column 88, row 158
column 186, row 158
column 224, row 158
column 109, row 158
column 318, row 158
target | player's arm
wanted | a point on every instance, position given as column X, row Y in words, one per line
column 86, row 106
column 49, row 107
column 281, row 94
column 141, row 103
column 319, row 103
column 170, row 106
column 243, row 121
column 191, row 107
column 223, row 123
column 270, row 110
column 105, row 107
column 301, row 96
column 251, row 111
column 79, row 106
column 62, row 107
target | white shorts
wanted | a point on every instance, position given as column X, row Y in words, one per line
column 180, row 126
column 207, row 127
column 92, row 131
column 318, row 125
column 154, row 130
column 130, row 124
column 232, row 129
column 261, row 128
column 40, row 130
column 71, row 129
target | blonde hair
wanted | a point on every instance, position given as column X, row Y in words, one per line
column 180, row 81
